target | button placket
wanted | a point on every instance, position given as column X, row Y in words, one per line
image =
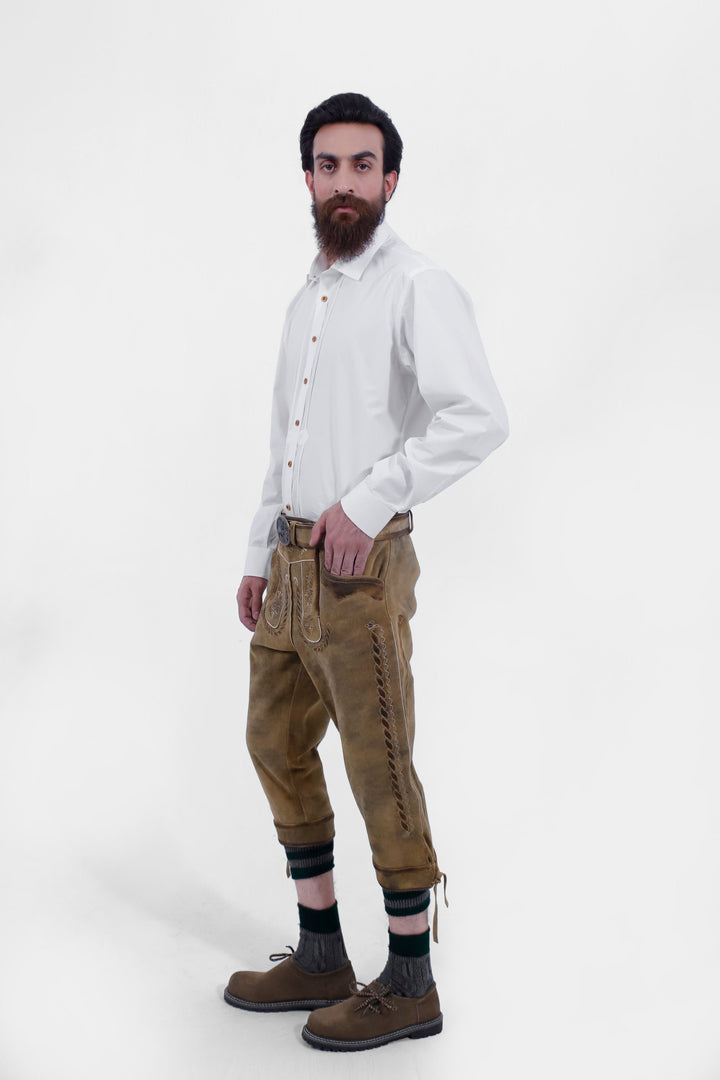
column 296, row 430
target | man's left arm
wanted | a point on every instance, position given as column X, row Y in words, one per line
column 441, row 341
column 469, row 421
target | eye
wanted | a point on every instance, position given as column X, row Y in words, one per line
column 326, row 166
column 363, row 165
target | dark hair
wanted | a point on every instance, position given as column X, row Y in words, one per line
column 351, row 109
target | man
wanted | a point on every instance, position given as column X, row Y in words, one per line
column 382, row 398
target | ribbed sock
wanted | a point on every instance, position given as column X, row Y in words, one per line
column 408, row 972
column 321, row 946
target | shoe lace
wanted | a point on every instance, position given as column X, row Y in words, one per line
column 281, row 955
column 374, row 997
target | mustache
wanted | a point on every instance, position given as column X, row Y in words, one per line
column 353, row 201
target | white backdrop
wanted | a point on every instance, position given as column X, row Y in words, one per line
column 561, row 161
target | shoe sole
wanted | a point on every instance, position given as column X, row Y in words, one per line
column 306, row 1005
column 415, row 1031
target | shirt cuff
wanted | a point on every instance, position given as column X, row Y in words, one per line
column 257, row 562
column 366, row 510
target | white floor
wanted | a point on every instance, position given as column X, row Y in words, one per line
column 570, row 949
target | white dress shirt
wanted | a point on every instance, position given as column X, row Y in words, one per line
column 382, row 397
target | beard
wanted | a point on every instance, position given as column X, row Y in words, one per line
column 343, row 236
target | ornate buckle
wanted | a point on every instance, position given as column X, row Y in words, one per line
column 283, row 529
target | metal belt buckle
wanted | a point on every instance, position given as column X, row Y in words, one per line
column 283, row 529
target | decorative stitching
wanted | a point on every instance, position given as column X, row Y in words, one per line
column 275, row 607
column 309, row 616
column 306, row 620
column 389, row 721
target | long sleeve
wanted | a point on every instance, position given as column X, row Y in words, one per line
column 263, row 537
column 440, row 338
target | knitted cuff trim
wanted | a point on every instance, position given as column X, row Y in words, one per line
column 406, row 903
column 310, row 860
column 325, row 921
column 410, row 944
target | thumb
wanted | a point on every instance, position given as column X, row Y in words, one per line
column 318, row 529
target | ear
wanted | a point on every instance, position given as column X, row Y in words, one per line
column 390, row 181
column 309, row 181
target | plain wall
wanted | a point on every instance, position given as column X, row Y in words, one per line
column 561, row 161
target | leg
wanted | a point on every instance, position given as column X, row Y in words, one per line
column 364, row 674
column 286, row 722
column 373, row 702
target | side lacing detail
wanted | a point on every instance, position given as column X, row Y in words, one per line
column 388, row 720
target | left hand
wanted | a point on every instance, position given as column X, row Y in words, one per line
column 346, row 546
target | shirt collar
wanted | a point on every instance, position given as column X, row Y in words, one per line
column 353, row 268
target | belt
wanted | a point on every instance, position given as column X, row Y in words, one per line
column 297, row 531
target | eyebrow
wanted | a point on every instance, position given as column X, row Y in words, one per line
column 354, row 157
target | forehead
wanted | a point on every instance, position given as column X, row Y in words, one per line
column 344, row 140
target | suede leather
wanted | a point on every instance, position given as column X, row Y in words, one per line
column 337, row 647
column 288, row 985
column 354, row 1021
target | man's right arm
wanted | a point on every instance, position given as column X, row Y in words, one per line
column 262, row 537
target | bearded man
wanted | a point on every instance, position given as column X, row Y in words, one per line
column 382, row 398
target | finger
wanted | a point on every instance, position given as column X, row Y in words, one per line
column 343, row 562
column 246, row 615
column 318, row 529
column 242, row 604
column 349, row 564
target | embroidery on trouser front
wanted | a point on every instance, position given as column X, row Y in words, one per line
column 276, row 602
column 308, row 611
column 389, row 722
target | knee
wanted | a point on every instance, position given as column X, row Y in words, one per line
column 268, row 755
column 256, row 738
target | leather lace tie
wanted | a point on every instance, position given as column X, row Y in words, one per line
column 441, row 877
column 281, row 955
column 374, row 997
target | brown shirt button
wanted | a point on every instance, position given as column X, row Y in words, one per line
column 296, row 423
column 287, row 506
column 323, row 298
column 289, row 463
column 314, row 338
column 304, row 380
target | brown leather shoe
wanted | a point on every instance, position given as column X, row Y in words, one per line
column 287, row 986
column 372, row 1017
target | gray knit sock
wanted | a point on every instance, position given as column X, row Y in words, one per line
column 408, row 972
column 321, row 946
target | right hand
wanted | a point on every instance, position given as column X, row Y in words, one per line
column 249, row 599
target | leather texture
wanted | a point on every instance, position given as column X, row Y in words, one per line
column 373, row 1016
column 286, row 986
column 338, row 647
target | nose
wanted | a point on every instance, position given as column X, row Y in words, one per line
column 343, row 182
